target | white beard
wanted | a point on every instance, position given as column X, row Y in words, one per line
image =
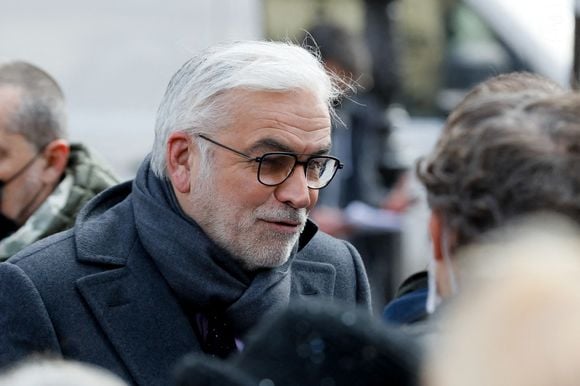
column 241, row 237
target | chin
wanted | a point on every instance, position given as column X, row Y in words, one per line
column 264, row 251
column 256, row 263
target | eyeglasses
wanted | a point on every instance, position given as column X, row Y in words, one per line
column 274, row 168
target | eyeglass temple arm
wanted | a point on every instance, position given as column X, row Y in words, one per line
column 228, row 148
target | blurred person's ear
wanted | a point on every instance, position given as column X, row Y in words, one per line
column 443, row 241
column 56, row 155
column 436, row 233
column 180, row 152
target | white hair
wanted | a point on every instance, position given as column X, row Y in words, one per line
column 196, row 99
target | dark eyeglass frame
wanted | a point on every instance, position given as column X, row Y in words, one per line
column 259, row 160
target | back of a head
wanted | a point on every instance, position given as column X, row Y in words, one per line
column 197, row 98
column 57, row 372
column 40, row 112
column 515, row 82
column 516, row 320
column 503, row 157
column 525, row 84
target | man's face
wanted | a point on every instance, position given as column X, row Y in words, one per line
column 19, row 195
column 256, row 223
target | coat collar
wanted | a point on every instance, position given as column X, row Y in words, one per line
column 140, row 317
column 104, row 231
column 129, row 299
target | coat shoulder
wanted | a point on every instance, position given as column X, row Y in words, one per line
column 327, row 249
column 351, row 282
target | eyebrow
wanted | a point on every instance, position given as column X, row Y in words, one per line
column 272, row 144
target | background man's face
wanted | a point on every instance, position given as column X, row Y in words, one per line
column 256, row 223
column 15, row 152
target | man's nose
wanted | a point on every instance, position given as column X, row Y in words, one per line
column 294, row 191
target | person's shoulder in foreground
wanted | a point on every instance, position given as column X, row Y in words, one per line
column 313, row 344
column 409, row 303
column 213, row 228
column 47, row 371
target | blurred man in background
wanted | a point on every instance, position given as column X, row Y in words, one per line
column 44, row 180
column 360, row 137
column 362, row 142
column 410, row 303
column 499, row 158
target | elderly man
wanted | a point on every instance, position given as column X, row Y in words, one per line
column 210, row 237
column 44, row 181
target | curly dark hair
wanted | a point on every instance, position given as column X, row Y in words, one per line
column 504, row 156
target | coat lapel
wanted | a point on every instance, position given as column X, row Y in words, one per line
column 141, row 318
column 311, row 278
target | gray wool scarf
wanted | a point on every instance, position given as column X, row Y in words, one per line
column 203, row 276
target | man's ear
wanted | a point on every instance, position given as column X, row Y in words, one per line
column 56, row 155
column 180, row 156
column 436, row 231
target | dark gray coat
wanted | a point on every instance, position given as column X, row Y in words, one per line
column 93, row 294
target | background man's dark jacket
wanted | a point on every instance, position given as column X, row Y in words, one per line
column 93, row 294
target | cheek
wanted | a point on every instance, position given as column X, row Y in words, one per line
column 254, row 195
column 244, row 193
column 16, row 195
column 34, row 178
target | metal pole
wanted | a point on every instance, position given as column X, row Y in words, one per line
column 576, row 65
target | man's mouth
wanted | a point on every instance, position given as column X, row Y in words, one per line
column 284, row 226
column 288, row 223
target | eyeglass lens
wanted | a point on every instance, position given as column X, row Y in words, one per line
column 275, row 168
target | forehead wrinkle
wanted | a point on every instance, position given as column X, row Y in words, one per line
column 312, row 113
column 272, row 143
column 295, row 122
column 271, row 110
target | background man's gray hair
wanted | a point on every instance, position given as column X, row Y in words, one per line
column 57, row 372
column 39, row 114
column 502, row 157
column 196, row 99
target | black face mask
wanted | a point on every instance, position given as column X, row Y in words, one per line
column 7, row 225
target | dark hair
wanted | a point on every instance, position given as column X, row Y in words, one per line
column 39, row 115
column 504, row 156
column 528, row 84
